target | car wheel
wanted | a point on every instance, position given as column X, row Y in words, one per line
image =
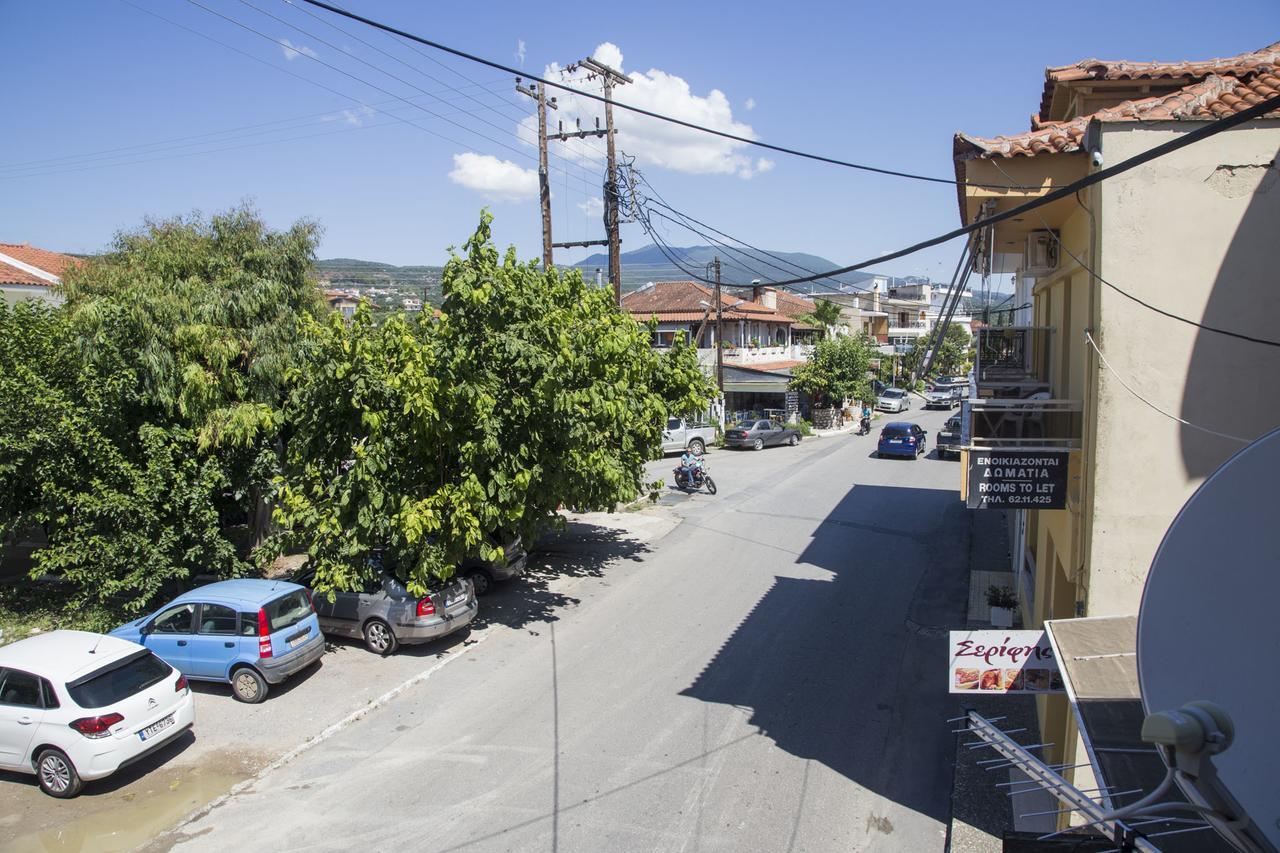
column 379, row 638
column 248, row 686
column 698, row 446
column 57, row 775
column 759, row 444
column 481, row 582
column 793, row 440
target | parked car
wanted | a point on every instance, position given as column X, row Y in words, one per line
column 483, row 574
column 942, row 396
column 681, row 435
column 948, row 439
column 249, row 633
column 900, row 438
column 76, row 706
column 384, row 615
column 760, row 434
column 893, row 400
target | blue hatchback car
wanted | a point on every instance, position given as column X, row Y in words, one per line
column 248, row 633
column 900, row 438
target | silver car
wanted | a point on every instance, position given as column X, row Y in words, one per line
column 383, row 614
column 483, row 574
column 893, row 400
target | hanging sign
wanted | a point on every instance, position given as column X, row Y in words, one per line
column 1002, row 662
column 1018, row 479
column 792, row 402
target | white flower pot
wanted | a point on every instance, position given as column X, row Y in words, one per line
column 1002, row 617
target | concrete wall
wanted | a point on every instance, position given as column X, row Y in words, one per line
column 1196, row 233
column 15, row 293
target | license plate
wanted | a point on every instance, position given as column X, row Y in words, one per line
column 155, row 728
column 895, row 441
column 297, row 641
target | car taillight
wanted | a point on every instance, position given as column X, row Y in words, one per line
column 426, row 607
column 310, row 601
column 181, row 684
column 264, row 634
column 96, row 727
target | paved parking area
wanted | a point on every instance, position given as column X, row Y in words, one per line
column 232, row 741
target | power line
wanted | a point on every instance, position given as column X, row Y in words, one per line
column 337, row 10
column 1210, row 129
column 1054, row 234
column 1152, row 405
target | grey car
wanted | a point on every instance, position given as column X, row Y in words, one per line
column 760, row 434
column 483, row 574
column 383, row 614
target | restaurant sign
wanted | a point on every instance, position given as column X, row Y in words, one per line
column 1002, row 662
column 1019, row 479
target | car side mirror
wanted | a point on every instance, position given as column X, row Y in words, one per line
column 146, row 629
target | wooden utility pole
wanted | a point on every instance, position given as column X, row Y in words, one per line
column 539, row 94
column 719, row 336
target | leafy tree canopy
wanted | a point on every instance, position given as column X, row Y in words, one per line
column 836, row 371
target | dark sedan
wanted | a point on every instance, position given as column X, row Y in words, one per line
column 901, row 438
column 948, row 440
column 760, row 434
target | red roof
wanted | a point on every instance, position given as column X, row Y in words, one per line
column 785, row 364
column 681, row 301
column 1207, row 90
column 52, row 263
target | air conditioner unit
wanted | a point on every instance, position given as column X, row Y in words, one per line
column 1041, row 256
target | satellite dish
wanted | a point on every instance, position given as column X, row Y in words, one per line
column 1208, row 627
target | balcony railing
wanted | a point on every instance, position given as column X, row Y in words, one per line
column 1010, row 424
column 1012, row 361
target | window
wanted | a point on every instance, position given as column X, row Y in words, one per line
column 21, row 689
column 175, row 620
column 287, row 610
column 673, row 423
column 217, row 619
column 118, row 680
column 248, row 624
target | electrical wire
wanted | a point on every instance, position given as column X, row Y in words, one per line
column 358, row 79
column 1208, row 130
column 1054, row 234
column 338, row 10
column 1171, row 416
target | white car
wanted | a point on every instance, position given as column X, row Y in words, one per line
column 893, row 400
column 76, row 706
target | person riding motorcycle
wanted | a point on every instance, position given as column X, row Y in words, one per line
column 689, row 463
column 864, row 426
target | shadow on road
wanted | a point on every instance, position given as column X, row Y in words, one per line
column 581, row 550
column 851, row 671
column 126, row 775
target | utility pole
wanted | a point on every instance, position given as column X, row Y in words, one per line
column 719, row 336
column 539, row 94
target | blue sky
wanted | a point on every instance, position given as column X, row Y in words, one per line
column 885, row 83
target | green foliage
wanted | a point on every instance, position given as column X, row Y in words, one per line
column 837, row 370
column 953, row 351
column 825, row 315
column 424, row 437
column 145, row 412
column 806, row 428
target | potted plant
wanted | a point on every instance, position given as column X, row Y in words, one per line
column 1002, row 602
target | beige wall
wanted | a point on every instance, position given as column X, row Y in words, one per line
column 15, row 293
column 1196, row 233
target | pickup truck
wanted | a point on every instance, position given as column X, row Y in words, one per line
column 680, row 434
column 948, row 439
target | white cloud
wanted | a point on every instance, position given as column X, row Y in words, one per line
column 593, row 206
column 651, row 141
column 500, row 180
column 520, row 51
column 750, row 170
column 750, row 104
column 355, row 117
column 293, row 51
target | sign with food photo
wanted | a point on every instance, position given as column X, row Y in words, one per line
column 1002, row 662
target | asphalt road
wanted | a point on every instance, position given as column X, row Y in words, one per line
column 770, row 675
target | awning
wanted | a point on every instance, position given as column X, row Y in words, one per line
column 1097, row 657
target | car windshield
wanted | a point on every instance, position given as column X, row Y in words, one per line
column 746, row 425
column 892, row 393
column 288, row 610
column 896, row 431
column 953, row 423
column 118, row 680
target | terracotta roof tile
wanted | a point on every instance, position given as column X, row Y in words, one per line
column 52, row 263
column 785, row 364
column 677, row 301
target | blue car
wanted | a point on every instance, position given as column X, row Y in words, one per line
column 248, row 633
column 901, row 438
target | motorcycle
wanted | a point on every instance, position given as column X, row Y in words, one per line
column 864, row 426
column 695, row 483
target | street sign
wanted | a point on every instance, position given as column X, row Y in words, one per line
column 1002, row 662
column 1020, row 479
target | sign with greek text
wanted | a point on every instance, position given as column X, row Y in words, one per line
column 792, row 402
column 1002, row 662
column 1018, row 479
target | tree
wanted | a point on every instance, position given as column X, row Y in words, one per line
column 953, row 352
column 426, row 437
column 825, row 315
column 836, row 370
column 143, row 416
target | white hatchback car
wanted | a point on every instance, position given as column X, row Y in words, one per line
column 76, row 706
